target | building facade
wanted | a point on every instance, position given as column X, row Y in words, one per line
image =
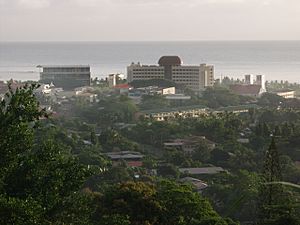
column 251, row 87
column 286, row 93
column 66, row 77
column 193, row 77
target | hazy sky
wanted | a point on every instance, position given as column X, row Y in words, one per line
column 153, row 20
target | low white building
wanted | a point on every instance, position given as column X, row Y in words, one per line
column 286, row 93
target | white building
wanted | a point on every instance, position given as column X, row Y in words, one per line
column 195, row 77
column 286, row 93
column 137, row 71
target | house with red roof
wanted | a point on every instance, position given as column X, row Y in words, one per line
column 250, row 87
column 253, row 90
column 122, row 88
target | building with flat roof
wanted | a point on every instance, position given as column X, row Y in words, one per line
column 66, row 76
column 132, row 159
column 285, row 93
column 189, row 144
column 202, row 170
column 194, row 77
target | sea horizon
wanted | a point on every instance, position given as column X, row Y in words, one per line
column 276, row 59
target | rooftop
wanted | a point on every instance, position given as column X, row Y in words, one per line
column 122, row 86
column 169, row 61
column 199, row 184
column 282, row 91
column 124, row 155
column 202, row 170
column 175, row 109
column 236, row 108
column 242, row 89
column 63, row 66
column 188, row 140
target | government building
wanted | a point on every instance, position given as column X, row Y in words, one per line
column 194, row 77
column 66, row 77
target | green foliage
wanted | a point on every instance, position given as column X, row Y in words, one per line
column 36, row 179
column 107, row 112
column 202, row 152
column 235, row 195
column 134, row 199
column 45, row 165
column 274, row 203
column 20, row 211
column 75, row 209
column 18, row 113
column 154, row 102
column 183, row 206
column 112, row 139
column 217, row 97
column 114, row 219
column 271, row 100
column 168, row 170
column 160, row 203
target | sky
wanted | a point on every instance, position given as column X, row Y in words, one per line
column 149, row 20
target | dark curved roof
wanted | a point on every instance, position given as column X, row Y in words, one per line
column 169, row 61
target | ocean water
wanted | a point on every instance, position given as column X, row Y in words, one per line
column 278, row 60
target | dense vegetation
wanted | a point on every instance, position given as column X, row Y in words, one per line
column 43, row 181
column 54, row 170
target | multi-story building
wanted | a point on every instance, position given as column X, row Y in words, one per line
column 170, row 67
column 67, row 77
column 137, row 71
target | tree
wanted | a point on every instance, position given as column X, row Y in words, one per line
column 133, row 199
column 19, row 111
column 37, row 179
column 202, row 152
column 183, row 206
column 271, row 201
column 168, row 170
column 270, row 100
column 154, row 102
column 162, row 202
column 218, row 96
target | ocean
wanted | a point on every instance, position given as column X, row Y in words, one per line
column 277, row 60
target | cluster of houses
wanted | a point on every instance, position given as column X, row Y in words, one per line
column 187, row 145
column 135, row 160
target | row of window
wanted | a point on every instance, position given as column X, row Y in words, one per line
column 148, row 69
column 186, row 70
column 185, row 80
column 146, row 77
column 141, row 74
column 65, row 76
column 69, row 70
